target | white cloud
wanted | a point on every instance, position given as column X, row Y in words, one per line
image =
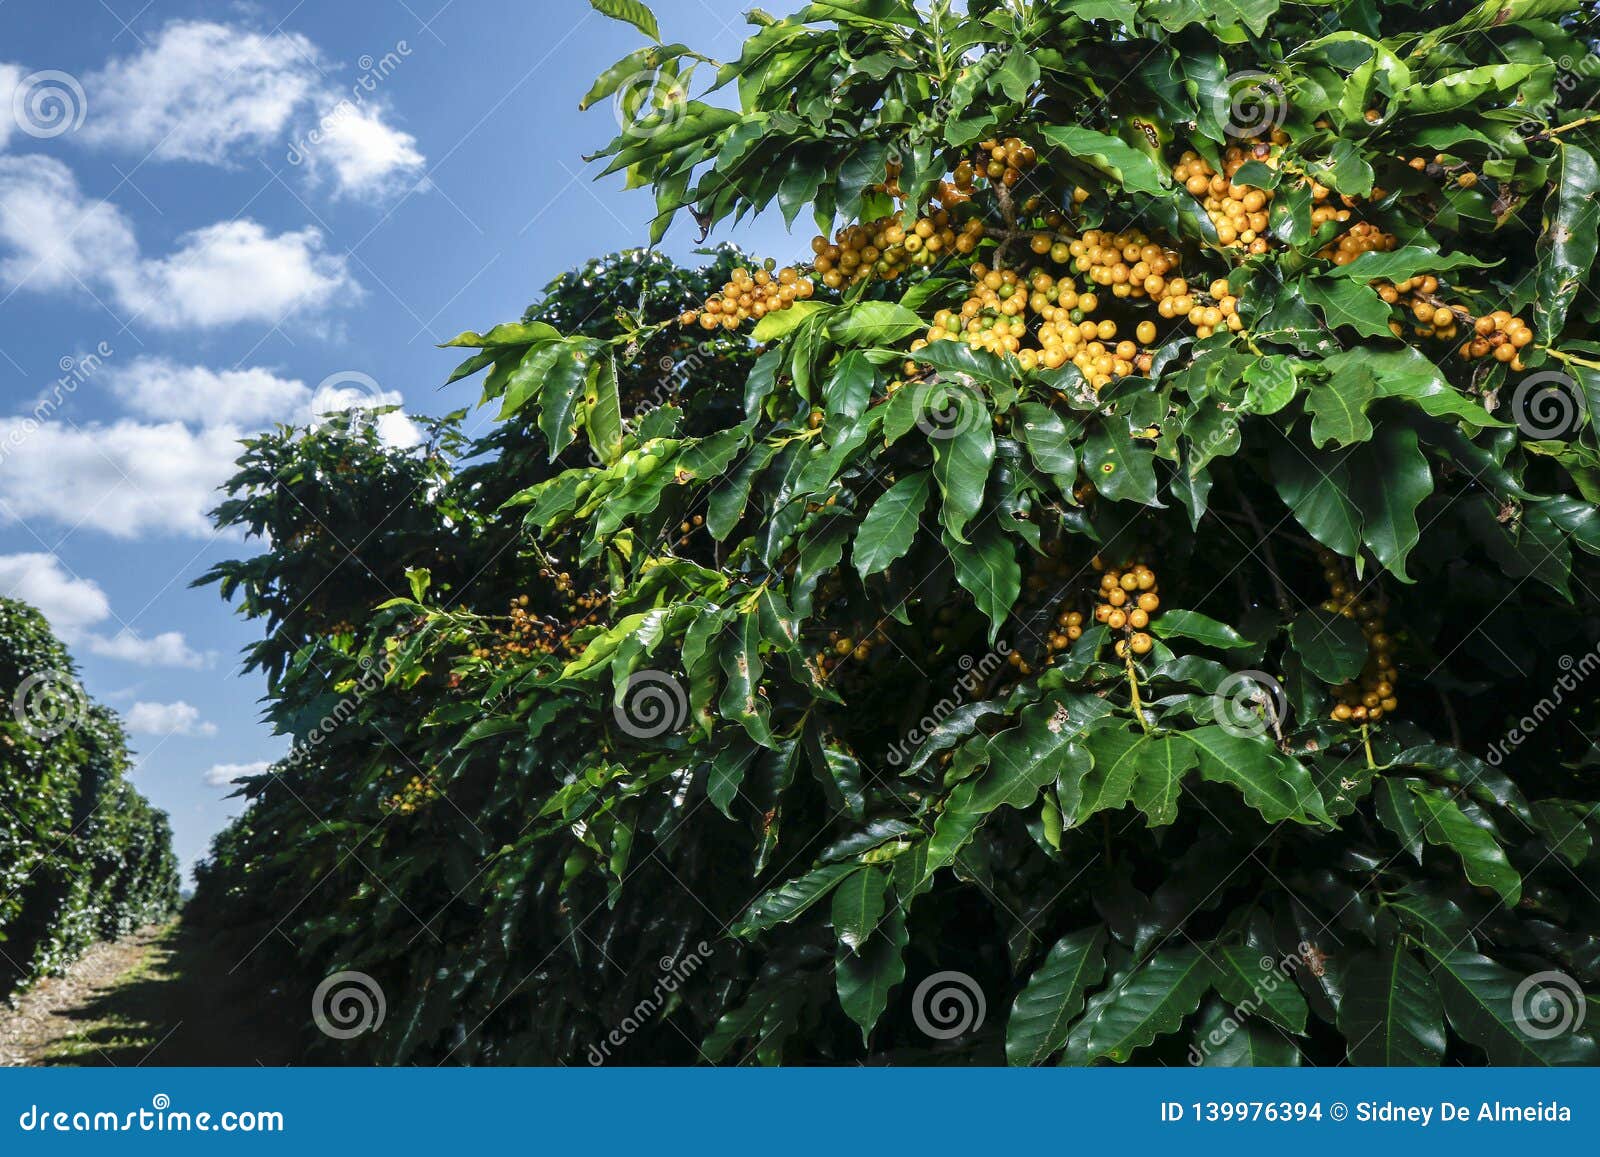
column 168, row 649
column 131, row 478
column 369, row 158
column 201, row 91
column 394, row 428
column 50, row 237
column 53, row 238
column 75, row 605
column 71, row 604
column 215, row 93
column 178, row 718
column 159, row 388
column 10, row 75
column 236, row 271
column 126, row 478
column 222, row 774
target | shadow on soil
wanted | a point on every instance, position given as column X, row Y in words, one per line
column 180, row 1006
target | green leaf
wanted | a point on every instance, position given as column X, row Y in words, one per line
column 1119, row 469
column 1255, row 983
column 560, row 393
column 1181, row 624
column 1049, row 443
column 1399, row 264
column 1492, row 14
column 1397, row 812
column 791, row 898
column 1054, row 996
column 1276, row 785
column 1223, row 1042
column 1350, row 303
column 1482, row 1003
column 864, row 979
column 631, row 12
column 962, row 460
column 858, row 906
column 783, row 322
column 1332, row 646
column 1566, row 247
column 987, row 567
column 602, row 415
column 1389, row 484
column 1319, row 494
column 1115, row 158
column 1447, row 826
column 849, row 386
column 873, row 323
column 890, row 527
column 1023, row 760
column 1391, row 1013
column 1151, row 1002
column 1131, row 766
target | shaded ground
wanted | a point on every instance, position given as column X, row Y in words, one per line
column 159, row 997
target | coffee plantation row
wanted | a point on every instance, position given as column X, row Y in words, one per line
column 83, row 856
column 1126, row 594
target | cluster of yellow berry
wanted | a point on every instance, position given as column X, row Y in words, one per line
column 414, row 793
column 1499, row 335
column 1004, row 162
column 527, row 634
column 1465, row 177
column 750, row 295
column 995, row 318
column 1131, row 265
column 1370, row 697
column 688, row 526
column 1239, row 212
column 1362, row 237
column 885, row 248
column 1128, row 597
column 842, row 649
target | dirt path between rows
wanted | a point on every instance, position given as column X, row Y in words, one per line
column 43, row 1016
column 161, row 996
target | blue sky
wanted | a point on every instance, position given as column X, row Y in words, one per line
column 215, row 217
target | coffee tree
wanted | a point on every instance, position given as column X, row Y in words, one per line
column 83, row 856
column 1137, row 604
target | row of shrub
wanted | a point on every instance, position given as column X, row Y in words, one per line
column 83, row 856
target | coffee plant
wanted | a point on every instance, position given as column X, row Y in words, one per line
column 83, row 856
column 1126, row 594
